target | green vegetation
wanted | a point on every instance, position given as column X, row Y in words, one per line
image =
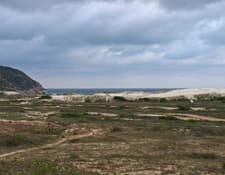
column 116, row 129
column 119, row 98
column 203, row 156
column 72, row 115
column 20, row 139
column 45, row 167
column 168, row 118
column 162, row 100
column 45, row 97
column 183, row 108
column 223, row 166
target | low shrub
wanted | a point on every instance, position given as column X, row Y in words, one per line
column 119, row 98
column 46, row 167
column 45, row 97
column 183, row 108
column 168, row 118
column 223, row 166
column 162, row 100
column 17, row 140
column 72, row 115
column 203, row 155
column 116, row 129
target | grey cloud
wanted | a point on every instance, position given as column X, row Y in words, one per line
column 31, row 4
column 97, row 38
column 187, row 4
column 169, row 4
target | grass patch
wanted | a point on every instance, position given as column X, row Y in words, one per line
column 119, row 98
column 203, row 156
column 72, row 115
column 223, row 165
column 183, row 108
column 167, row 118
column 116, row 129
column 161, row 100
column 45, row 97
column 19, row 140
column 47, row 131
column 44, row 167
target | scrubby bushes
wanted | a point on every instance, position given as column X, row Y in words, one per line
column 46, row 167
column 211, row 97
column 18, row 140
column 45, row 97
column 72, row 115
column 116, row 129
column 183, row 108
column 168, row 118
column 223, row 166
column 203, row 156
column 119, row 98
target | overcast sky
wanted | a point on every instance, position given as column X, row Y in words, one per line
column 115, row 43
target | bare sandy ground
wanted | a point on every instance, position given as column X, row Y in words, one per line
column 103, row 114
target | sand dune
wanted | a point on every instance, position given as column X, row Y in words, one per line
column 135, row 95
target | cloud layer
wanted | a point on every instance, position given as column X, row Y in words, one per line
column 54, row 39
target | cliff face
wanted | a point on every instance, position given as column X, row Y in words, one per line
column 16, row 80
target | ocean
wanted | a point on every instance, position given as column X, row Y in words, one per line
column 108, row 90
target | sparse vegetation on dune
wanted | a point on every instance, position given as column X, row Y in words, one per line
column 120, row 98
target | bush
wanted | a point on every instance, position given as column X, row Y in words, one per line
column 162, row 100
column 116, row 129
column 72, row 115
column 183, row 108
column 45, row 97
column 47, row 168
column 168, row 118
column 146, row 99
column 17, row 140
column 223, row 166
column 203, row 155
column 119, row 98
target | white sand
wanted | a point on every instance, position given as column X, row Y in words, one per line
column 9, row 92
column 188, row 93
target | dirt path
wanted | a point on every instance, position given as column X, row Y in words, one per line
column 196, row 117
column 51, row 145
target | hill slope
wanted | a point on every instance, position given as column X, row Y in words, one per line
column 16, row 80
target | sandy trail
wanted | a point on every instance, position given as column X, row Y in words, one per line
column 196, row 117
column 51, row 145
column 184, row 116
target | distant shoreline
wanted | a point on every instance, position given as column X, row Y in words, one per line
column 90, row 91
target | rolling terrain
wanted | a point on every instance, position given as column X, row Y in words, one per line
column 39, row 135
